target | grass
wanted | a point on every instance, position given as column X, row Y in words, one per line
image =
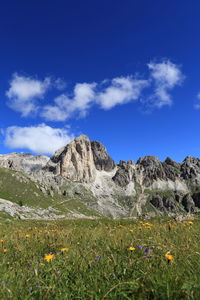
column 98, row 263
column 17, row 188
column 20, row 192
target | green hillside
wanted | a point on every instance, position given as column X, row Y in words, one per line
column 17, row 188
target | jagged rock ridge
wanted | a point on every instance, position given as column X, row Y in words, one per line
column 148, row 186
column 23, row 161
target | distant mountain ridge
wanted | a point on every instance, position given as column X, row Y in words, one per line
column 84, row 168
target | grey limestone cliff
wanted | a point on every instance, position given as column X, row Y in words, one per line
column 148, row 186
column 23, row 161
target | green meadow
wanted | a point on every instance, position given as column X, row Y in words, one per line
column 100, row 259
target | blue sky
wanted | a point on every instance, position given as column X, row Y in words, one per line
column 126, row 73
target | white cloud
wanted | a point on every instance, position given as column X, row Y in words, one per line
column 54, row 113
column 66, row 106
column 40, row 139
column 121, row 90
column 165, row 76
column 24, row 91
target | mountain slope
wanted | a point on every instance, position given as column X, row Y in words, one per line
column 81, row 179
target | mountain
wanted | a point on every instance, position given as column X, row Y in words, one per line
column 82, row 180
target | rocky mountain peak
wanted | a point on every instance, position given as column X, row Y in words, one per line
column 148, row 161
column 80, row 160
column 74, row 161
column 82, row 138
column 190, row 169
column 171, row 162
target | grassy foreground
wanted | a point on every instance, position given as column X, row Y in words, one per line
column 100, row 259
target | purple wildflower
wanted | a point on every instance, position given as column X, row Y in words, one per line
column 38, row 284
column 140, row 247
column 98, row 257
column 5, row 283
column 147, row 250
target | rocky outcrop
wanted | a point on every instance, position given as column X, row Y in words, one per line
column 188, row 203
column 101, row 158
column 23, row 162
column 151, row 169
column 75, row 161
column 196, row 199
column 147, row 170
column 25, row 212
column 80, row 160
column 190, row 170
column 164, row 203
column 171, row 169
column 125, row 173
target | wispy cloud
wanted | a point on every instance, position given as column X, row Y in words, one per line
column 65, row 106
column 165, row 76
column 120, row 90
column 41, row 139
column 107, row 94
column 24, row 91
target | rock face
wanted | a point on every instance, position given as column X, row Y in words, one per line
column 151, row 169
column 188, row 203
column 75, row 161
column 125, row 189
column 80, row 160
column 23, row 161
column 164, row 203
column 190, row 169
column 147, row 170
column 101, row 158
column 125, row 174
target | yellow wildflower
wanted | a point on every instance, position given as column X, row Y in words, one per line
column 64, row 249
column 131, row 248
column 27, row 236
column 49, row 257
column 1, row 241
column 190, row 222
column 169, row 257
column 148, row 224
column 5, row 250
